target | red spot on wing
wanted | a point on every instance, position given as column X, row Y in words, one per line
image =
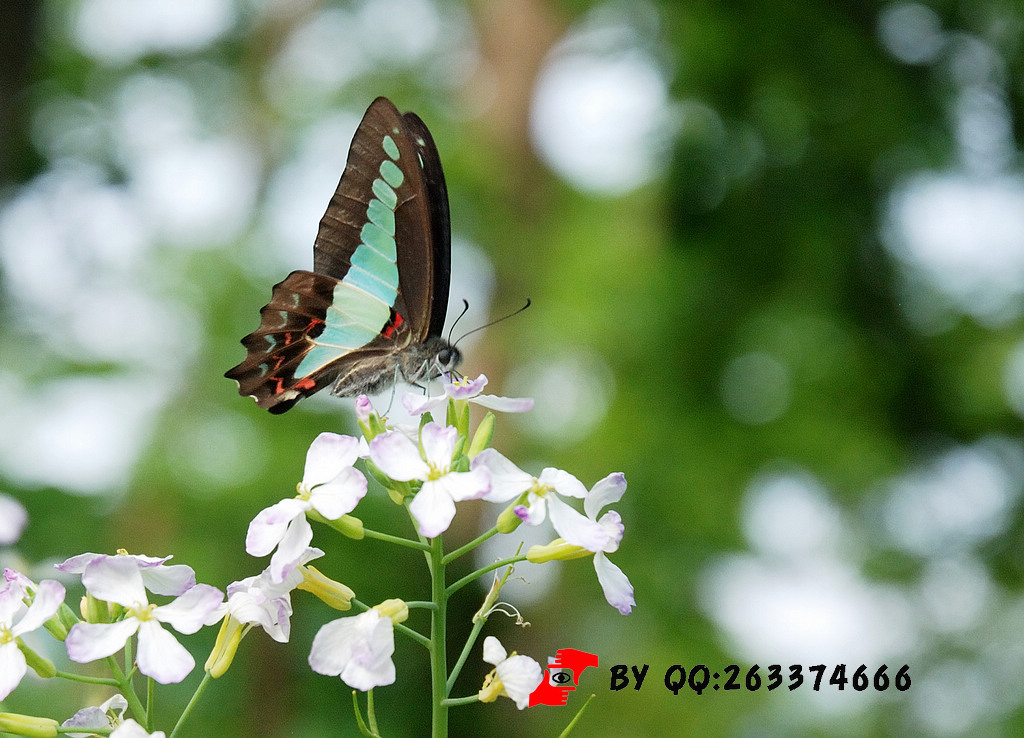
column 305, row 384
column 393, row 325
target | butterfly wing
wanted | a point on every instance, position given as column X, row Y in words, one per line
column 381, row 264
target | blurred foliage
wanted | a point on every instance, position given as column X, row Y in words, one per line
column 762, row 235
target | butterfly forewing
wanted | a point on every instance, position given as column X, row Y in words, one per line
column 381, row 253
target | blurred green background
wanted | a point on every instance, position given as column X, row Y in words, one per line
column 776, row 258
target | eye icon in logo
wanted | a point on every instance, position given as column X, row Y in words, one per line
column 563, row 676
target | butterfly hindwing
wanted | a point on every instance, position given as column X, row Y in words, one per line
column 379, row 289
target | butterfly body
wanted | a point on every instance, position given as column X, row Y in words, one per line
column 372, row 310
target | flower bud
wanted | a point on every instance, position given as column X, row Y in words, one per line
column 40, row 664
column 333, row 593
column 223, row 653
column 557, row 550
column 395, row 609
column 38, row 727
column 482, row 437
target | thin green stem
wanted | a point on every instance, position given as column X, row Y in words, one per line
column 455, row 701
column 87, row 679
column 470, row 642
column 397, row 540
column 191, row 703
column 150, row 702
column 480, row 572
column 124, row 685
column 438, row 641
column 464, row 549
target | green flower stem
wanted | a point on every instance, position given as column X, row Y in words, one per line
column 124, row 685
column 438, row 643
column 470, row 546
column 455, row 701
column 150, row 702
column 192, row 703
column 480, row 572
column 466, row 650
column 106, row 681
column 397, row 540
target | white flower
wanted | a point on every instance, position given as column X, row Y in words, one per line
column 330, row 485
column 616, row 585
column 48, row 597
column 433, row 507
column 160, row 656
column 358, row 649
column 466, row 389
column 107, row 715
column 515, row 677
column 509, row 482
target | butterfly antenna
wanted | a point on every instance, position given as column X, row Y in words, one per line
column 493, row 322
column 465, row 309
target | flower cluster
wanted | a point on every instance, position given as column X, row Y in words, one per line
column 426, row 470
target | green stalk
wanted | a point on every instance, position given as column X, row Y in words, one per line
column 438, row 644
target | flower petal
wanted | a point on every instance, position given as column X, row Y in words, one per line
column 90, row 641
column 271, row 525
column 508, row 481
column 606, row 492
column 161, row 656
column 171, row 580
column 44, row 606
column 327, row 456
column 398, row 457
column 471, row 485
column 188, row 613
column 12, row 667
column 433, row 509
column 291, row 549
column 340, row 495
column 576, row 528
column 438, row 444
column 494, row 652
column 563, row 483
column 521, row 675
column 13, row 519
column 617, row 588
column 466, row 389
column 417, row 404
column 505, row 404
column 115, row 579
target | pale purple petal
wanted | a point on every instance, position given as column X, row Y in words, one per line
column 291, row 549
column 77, row 564
column 606, row 492
column 90, row 641
column 188, row 613
column 358, row 649
column 13, row 519
column 471, row 485
column 535, row 513
column 271, row 525
column 364, row 408
column 466, row 389
column 507, row 480
column 12, row 667
column 611, row 521
column 170, row 580
column 417, row 404
column 494, row 652
column 438, row 444
column 11, row 601
column 617, row 589
column 563, row 483
column 115, row 579
column 95, row 716
column 161, row 656
column 340, row 495
column 395, row 455
column 576, row 528
column 44, row 606
column 433, row 509
column 505, row 404
column 520, row 675
column 327, row 456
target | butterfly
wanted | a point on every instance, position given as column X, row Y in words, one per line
column 372, row 310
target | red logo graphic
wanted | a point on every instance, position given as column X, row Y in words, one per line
column 562, row 676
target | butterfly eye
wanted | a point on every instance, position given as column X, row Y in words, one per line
column 444, row 357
